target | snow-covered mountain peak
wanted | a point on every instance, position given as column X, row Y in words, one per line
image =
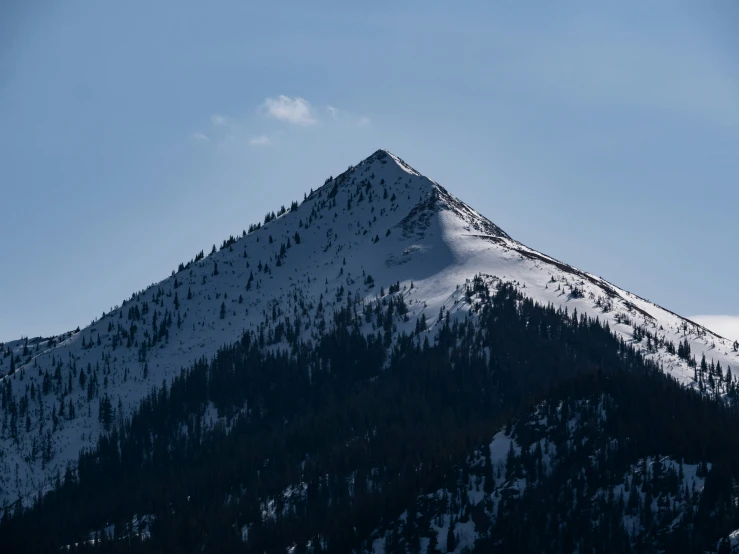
column 378, row 229
column 383, row 157
column 432, row 197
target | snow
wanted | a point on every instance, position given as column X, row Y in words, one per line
column 733, row 540
column 437, row 506
column 139, row 526
column 435, row 243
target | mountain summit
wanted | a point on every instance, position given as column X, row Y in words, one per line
column 378, row 228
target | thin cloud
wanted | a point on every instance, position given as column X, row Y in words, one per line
column 200, row 137
column 262, row 140
column 725, row 325
column 291, row 110
column 218, row 120
column 343, row 115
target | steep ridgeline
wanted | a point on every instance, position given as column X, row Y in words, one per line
column 17, row 352
column 380, row 227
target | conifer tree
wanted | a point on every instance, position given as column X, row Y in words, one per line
column 433, row 545
column 450, row 543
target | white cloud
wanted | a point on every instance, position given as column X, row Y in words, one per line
column 218, row 120
column 200, row 137
column 292, row 110
column 262, row 140
column 725, row 325
column 343, row 115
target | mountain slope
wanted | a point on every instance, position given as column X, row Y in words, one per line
column 378, row 225
column 344, row 439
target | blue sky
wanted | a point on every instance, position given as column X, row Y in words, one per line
column 135, row 134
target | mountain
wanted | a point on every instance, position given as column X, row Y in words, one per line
column 369, row 272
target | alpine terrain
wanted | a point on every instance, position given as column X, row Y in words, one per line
column 377, row 368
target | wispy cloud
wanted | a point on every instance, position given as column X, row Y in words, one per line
column 294, row 110
column 343, row 115
column 291, row 110
column 725, row 325
column 262, row 140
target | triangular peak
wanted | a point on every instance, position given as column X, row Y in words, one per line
column 384, row 156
